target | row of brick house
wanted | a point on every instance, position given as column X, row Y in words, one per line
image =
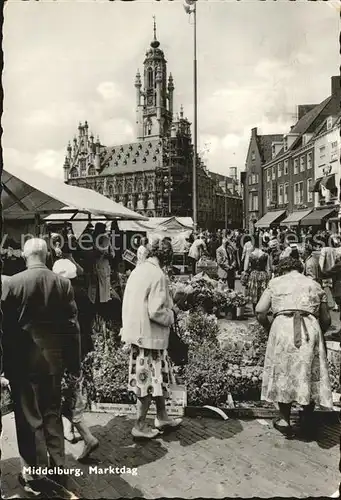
column 293, row 179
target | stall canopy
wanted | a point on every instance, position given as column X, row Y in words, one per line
column 270, row 218
column 295, row 218
column 27, row 193
column 167, row 223
column 316, row 217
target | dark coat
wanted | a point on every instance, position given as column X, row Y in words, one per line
column 40, row 327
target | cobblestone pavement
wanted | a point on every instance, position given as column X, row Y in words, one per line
column 204, row 458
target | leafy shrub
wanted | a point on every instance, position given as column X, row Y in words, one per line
column 197, row 326
column 105, row 371
column 213, row 373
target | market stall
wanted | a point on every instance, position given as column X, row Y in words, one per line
column 178, row 229
column 28, row 196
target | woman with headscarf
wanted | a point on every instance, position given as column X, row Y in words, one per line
column 148, row 314
column 296, row 367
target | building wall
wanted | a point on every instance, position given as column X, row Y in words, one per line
column 253, row 208
column 327, row 160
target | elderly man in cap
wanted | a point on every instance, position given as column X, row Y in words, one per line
column 40, row 339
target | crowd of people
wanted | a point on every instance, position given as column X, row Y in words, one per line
column 49, row 309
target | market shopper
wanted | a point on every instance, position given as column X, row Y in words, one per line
column 227, row 263
column 40, row 339
column 197, row 250
column 73, row 404
column 296, row 367
column 142, row 251
column 258, row 274
column 148, row 315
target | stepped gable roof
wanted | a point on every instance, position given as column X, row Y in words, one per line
column 133, row 157
column 265, row 145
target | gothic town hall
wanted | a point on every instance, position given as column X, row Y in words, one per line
column 153, row 176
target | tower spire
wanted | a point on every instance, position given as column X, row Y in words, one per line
column 155, row 44
column 154, row 27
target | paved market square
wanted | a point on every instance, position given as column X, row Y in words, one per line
column 208, row 458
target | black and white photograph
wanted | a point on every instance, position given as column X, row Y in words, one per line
column 170, row 249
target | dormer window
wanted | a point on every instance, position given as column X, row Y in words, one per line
column 134, row 160
column 121, row 149
column 330, row 122
column 253, row 156
column 140, row 146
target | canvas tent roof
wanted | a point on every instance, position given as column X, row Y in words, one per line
column 28, row 192
column 165, row 223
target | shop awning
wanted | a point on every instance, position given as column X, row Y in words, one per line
column 316, row 187
column 295, row 218
column 316, row 217
column 270, row 218
column 27, row 193
column 329, row 182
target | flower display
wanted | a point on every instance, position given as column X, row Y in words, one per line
column 203, row 292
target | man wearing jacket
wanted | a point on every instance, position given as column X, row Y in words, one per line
column 227, row 263
column 40, row 340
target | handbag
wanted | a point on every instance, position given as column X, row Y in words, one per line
column 177, row 348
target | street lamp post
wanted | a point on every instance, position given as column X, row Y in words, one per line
column 195, row 124
column 191, row 8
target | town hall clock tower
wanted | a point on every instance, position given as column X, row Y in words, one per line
column 155, row 101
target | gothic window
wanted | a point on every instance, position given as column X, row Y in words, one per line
column 100, row 190
column 91, row 170
column 148, row 127
column 150, row 187
column 73, row 172
column 111, row 191
column 129, row 188
column 119, row 188
column 150, row 78
column 82, row 165
column 140, row 187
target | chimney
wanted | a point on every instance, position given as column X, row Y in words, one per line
column 254, row 132
column 335, row 85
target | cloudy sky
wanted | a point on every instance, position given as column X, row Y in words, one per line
column 69, row 61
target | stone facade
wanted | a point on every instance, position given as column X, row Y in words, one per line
column 152, row 176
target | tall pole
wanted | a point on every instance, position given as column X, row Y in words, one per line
column 226, row 203
column 195, row 142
